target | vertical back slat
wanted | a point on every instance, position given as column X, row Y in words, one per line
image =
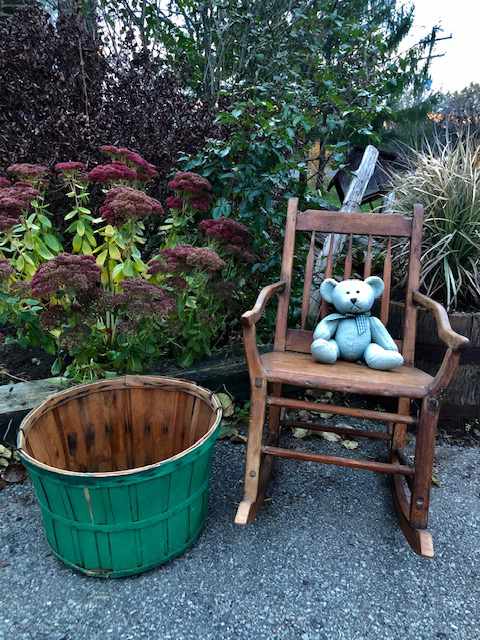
column 348, row 259
column 409, row 325
column 308, row 280
column 367, row 268
column 286, row 275
column 387, row 277
column 328, row 274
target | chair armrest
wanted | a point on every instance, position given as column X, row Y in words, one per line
column 250, row 318
column 445, row 332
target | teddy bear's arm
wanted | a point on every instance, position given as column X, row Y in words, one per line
column 327, row 327
column 381, row 336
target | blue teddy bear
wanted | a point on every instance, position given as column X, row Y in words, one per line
column 352, row 333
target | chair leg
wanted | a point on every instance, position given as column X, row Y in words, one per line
column 399, row 430
column 412, row 507
column 257, row 470
column 274, row 414
column 424, row 454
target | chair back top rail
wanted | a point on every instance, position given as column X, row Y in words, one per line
column 378, row 224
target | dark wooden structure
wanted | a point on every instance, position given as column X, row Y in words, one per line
column 290, row 363
column 380, row 182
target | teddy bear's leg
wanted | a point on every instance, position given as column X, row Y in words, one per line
column 325, row 351
column 379, row 358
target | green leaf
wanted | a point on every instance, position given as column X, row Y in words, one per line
column 42, row 250
column 77, row 243
column 101, row 258
column 117, row 271
column 128, row 268
column 114, row 252
column 56, row 367
column 80, row 228
column 52, row 242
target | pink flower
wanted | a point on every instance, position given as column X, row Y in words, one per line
column 109, row 150
column 174, row 202
column 112, row 172
column 143, row 299
column 28, row 172
column 200, row 204
column 189, row 182
column 69, row 167
column 145, row 171
column 78, row 275
column 184, row 258
column 13, row 201
column 124, row 203
column 4, row 182
column 6, row 270
column 226, row 231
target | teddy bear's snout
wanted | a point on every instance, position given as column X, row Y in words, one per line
column 353, row 300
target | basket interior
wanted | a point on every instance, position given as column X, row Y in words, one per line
column 117, row 429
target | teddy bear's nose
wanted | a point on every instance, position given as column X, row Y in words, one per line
column 353, row 300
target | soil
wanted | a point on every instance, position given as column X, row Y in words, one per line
column 18, row 364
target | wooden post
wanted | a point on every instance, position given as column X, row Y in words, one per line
column 353, row 198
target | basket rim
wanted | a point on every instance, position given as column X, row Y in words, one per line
column 123, row 382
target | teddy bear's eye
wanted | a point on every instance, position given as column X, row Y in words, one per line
column 348, row 293
column 357, row 291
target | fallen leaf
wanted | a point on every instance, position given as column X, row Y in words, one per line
column 300, row 433
column 14, row 473
column 329, row 436
column 349, row 444
column 344, row 425
column 227, row 404
column 436, row 480
column 227, row 432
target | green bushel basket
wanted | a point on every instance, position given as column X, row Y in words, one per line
column 120, row 469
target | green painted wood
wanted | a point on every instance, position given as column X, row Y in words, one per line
column 115, row 526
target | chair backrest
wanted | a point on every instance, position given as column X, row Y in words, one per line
column 379, row 227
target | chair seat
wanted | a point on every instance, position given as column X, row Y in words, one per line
column 300, row 369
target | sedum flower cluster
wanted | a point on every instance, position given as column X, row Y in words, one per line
column 190, row 189
column 125, row 203
column 184, row 258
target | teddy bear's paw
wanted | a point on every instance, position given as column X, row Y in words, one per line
column 379, row 358
column 325, row 351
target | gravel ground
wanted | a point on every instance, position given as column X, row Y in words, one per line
column 325, row 560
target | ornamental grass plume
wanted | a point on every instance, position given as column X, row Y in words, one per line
column 112, row 172
column 445, row 179
column 77, row 275
column 184, row 258
column 125, row 203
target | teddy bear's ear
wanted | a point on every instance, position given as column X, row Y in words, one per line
column 326, row 289
column 377, row 285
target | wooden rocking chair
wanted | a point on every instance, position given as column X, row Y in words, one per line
column 290, row 363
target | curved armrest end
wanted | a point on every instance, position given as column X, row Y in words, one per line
column 445, row 332
column 251, row 317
